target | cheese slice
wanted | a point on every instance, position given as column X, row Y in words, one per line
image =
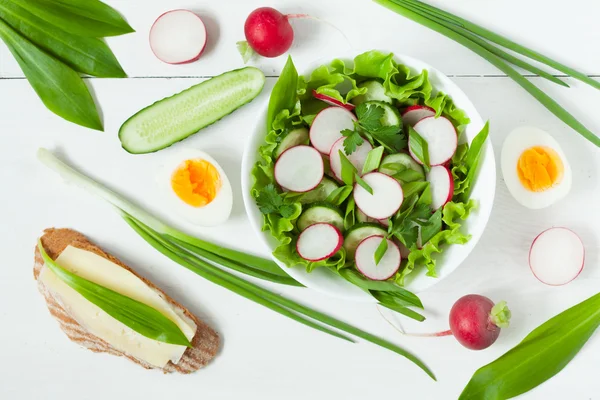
column 99, row 270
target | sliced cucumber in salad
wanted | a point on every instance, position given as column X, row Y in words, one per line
column 294, row 137
column 375, row 91
column 391, row 116
column 318, row 213
column 357, row 234
column 321, row 192
column 393, row 163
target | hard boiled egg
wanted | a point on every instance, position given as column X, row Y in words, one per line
column 196, row 187
column 535, row 168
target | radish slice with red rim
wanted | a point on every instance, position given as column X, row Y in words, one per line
column 332, row 101
column 441, row 138
column 327, row 127
column 414, row 114
column 357, row 158
column 386, row 199
column 178, row 37
column 319, row 241
column 441, row 185
column 299, row 169
column 365, row 259
column 557, row 256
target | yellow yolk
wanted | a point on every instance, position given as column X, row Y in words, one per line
column 196, row 182
column 539, row 168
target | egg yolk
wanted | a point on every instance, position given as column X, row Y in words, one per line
column 539, row 168
column 196, row 182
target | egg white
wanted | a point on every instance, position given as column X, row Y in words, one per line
column 515, row 144
column 214, row 213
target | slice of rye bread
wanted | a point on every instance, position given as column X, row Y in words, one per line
column 205, row 343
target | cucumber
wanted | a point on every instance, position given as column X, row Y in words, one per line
column 293, row 138
column 357, row 233
column 403, row 159
column 175, row 118
column 391, row 116
column 375, row 91
column 321, row 192
column 320, row 212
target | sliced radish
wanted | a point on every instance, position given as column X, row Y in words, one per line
column 332, row 101
column 178, row 37
column 441, row 138
column 357, row 158
column 414, row 114
column 327, row 125
column 441, row 185
column 365, row 259
column 319, row 241
column 386, row 199
column 299, row 169
column 556, row 256
column 385, row 222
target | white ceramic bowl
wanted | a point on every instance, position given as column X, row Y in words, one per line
column 326, row 281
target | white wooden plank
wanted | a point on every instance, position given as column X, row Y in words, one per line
column 564, row 33
column 264, row 355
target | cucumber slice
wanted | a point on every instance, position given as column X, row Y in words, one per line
column 177, row 117
column 375, row 91
column 294, row 137
column 321, row 192
column 321, row 212
column 391, row 116
column 402, row 159
column 357, row 233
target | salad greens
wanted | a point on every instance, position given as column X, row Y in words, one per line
column 541, row 355
column 424, row 232
column 54, row 41
column 138, row 316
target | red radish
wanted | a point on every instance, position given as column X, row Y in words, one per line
column 414, row 114
column 357, row 158
column 441, row 138
column 365, row 259
column 319, row 241
column 386, row 199
column 178, row 37
column 557, row 256
column 475, row 322
column 299, row 169
column 441, row 185
column 327, row 125
column 332, row 101
column 269, row 32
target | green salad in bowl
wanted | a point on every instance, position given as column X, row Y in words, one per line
column 366, row 170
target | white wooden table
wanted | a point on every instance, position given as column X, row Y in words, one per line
column 264, row 355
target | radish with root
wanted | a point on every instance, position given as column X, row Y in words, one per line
column 475, row 322
column 556, row 256
column 178, row 37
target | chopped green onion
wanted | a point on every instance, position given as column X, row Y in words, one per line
column 373, row 160
column 380, row 251
column 348, row 169
column 418, row 147
column 339, row 195
column 363, row 184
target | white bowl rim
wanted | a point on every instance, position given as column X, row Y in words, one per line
column 323, row 280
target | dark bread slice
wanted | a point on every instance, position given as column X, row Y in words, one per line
column 205, row 343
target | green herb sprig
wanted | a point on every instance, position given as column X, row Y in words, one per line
column 481, row 41
column 54, row 41
column 138, row 316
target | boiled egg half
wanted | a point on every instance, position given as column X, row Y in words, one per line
column 196, row 187
column 535, row 168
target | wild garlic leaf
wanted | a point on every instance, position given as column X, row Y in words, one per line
column 59, row 87
column 87, row 55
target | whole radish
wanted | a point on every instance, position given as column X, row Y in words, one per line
column 269, row 32
column 474, row 321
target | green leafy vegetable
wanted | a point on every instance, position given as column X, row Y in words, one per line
column 245, row 51
column 339, row 195
column 373, row 160
column 140, row 317
column 283, row 96
column 418, row 147
column 541, row 355
column 60, row 88
column 352, row 141
column 90, row 18
column 432, row 226
column 270, row 201
column 348, row 169
column 84, row 54
column 362, row 183
column 380, row 251
column 350, row 214
column 403, row 173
